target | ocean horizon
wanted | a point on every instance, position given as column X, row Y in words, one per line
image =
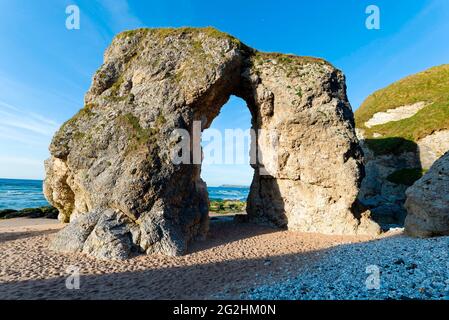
column 19, row 194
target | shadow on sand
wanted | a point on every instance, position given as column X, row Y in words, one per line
column 216, row 278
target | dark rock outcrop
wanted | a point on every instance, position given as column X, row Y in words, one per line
column 427, row 202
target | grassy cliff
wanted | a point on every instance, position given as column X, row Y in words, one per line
column 430, row 86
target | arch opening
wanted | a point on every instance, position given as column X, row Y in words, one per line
column 226, row 162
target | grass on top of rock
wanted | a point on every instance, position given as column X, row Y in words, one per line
column 406, row 176
column 227, row 206
column 83, row 114
column 291, row 64
column 288, row 62
column 163, row 33
column 286, row 59
column 430, row 86
column 132, row 33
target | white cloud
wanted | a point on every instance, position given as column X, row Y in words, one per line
column 15, row 118
column 21, row 168
column 120, row 15
column 24, row 139
column 10, row 135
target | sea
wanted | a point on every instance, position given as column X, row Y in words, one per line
column 228, row 193
column 20, row 194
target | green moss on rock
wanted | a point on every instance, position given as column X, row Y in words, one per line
column 291, row 64
column 139, row 136
column 163, row 33
column 132, row 33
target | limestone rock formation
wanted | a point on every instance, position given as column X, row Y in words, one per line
column 427, row 202
column 403, row 130
column 111, row 173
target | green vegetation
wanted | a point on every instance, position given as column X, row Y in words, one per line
column 114, row 94
column 132, row 33
column 160, row 120
column 208, row 31
column 89, row 107
column 290, row 63
column 140, row 136
column 203, row 62
column 83, row 114
column 163, row 33
column 287, row 59
column 116, row 86
column 42, row 212
column 78, row 135
column 227, row 206
column 406, row 176
column 430, row 86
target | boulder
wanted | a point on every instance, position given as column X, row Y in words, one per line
column 427, row 202
column 115, row 157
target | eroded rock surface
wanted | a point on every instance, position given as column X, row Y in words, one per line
column 433, row 147
column 111, row 172
column 427, row 202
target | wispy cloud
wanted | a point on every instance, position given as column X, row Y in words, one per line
column 16, row 118
column 21, row 160
column 120, row 15
column 24, row 139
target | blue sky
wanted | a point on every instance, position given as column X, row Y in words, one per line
column 45, row 69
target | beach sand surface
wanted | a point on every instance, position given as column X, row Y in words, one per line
column 234, row 258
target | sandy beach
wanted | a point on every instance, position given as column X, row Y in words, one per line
column 232, row 259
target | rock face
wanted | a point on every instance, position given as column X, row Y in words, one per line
column 383, row 194
column 403, row 129
column 433, row 147
column 427, row 202
column 111, row 173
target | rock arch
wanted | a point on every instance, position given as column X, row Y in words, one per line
column 110, row 172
